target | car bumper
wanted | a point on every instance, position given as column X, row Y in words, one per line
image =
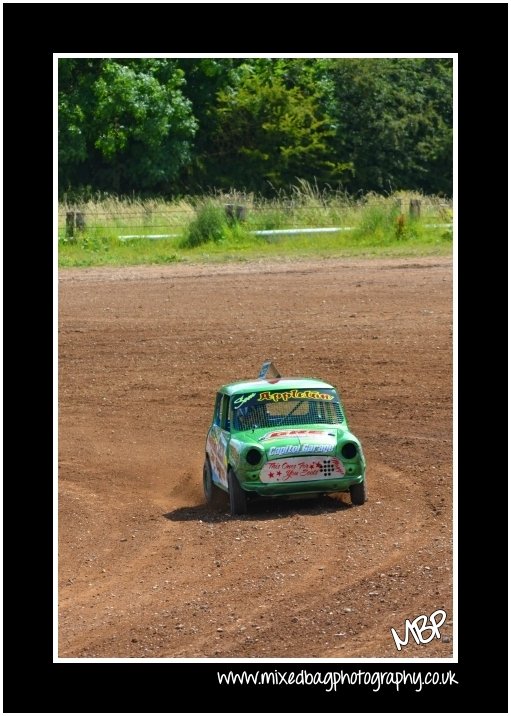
column 338, row 484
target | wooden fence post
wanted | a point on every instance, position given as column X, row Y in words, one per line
column 236, row 212
column 80, row 220
column 75, row 221
column 70, row 225
column 415, row 208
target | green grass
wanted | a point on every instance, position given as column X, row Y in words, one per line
column 203, row 233
column 209, row 224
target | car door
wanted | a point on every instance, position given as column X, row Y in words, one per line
column 218, row 440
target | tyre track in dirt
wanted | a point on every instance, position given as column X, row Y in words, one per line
column 144, row 568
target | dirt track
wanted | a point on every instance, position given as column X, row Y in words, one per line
column 145, row 569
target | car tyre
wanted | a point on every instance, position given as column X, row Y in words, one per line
column 358, row 493
column 237, row 496
column 212, row 493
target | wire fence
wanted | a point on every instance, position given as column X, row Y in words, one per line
column 169, row 211
column 260, row 216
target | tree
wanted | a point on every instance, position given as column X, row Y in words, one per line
column 271, row 127
column 204, row 79
column 171, row 125
column 123, row 124
column 394, row 122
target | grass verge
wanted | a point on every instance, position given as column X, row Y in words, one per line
column 201, row 231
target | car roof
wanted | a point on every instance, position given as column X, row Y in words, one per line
column 256, row 386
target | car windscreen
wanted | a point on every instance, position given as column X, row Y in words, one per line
column 276, row 408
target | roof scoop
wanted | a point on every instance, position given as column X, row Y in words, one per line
column 268, row 371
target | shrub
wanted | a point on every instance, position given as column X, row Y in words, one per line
column 378, row 222
column 208, row 225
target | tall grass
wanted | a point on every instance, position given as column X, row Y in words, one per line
column 209, row 224
column 199, row 228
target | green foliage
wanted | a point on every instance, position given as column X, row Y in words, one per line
column 382, row 222
column 406, row 228
column 394, row 123
column 201, row 231
column 269, row 131
column 204, row 79
column 379, row 222
column 123, row 123
column 210, row 224
column 174, row 126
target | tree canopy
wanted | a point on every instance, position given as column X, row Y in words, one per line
column 172, row 126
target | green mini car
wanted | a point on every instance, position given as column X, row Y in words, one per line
column 280, row 437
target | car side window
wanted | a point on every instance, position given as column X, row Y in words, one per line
column 224, row 413
column 218, row 412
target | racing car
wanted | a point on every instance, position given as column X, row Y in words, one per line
column 280, row 437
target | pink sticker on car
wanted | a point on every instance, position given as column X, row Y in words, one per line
column 276, row 434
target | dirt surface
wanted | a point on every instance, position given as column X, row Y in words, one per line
column 145, row 569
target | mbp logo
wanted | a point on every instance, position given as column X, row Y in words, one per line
column 419, row 626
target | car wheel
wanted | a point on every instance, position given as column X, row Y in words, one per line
column 358, row 493
column 237, row 496
column 212, row 493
